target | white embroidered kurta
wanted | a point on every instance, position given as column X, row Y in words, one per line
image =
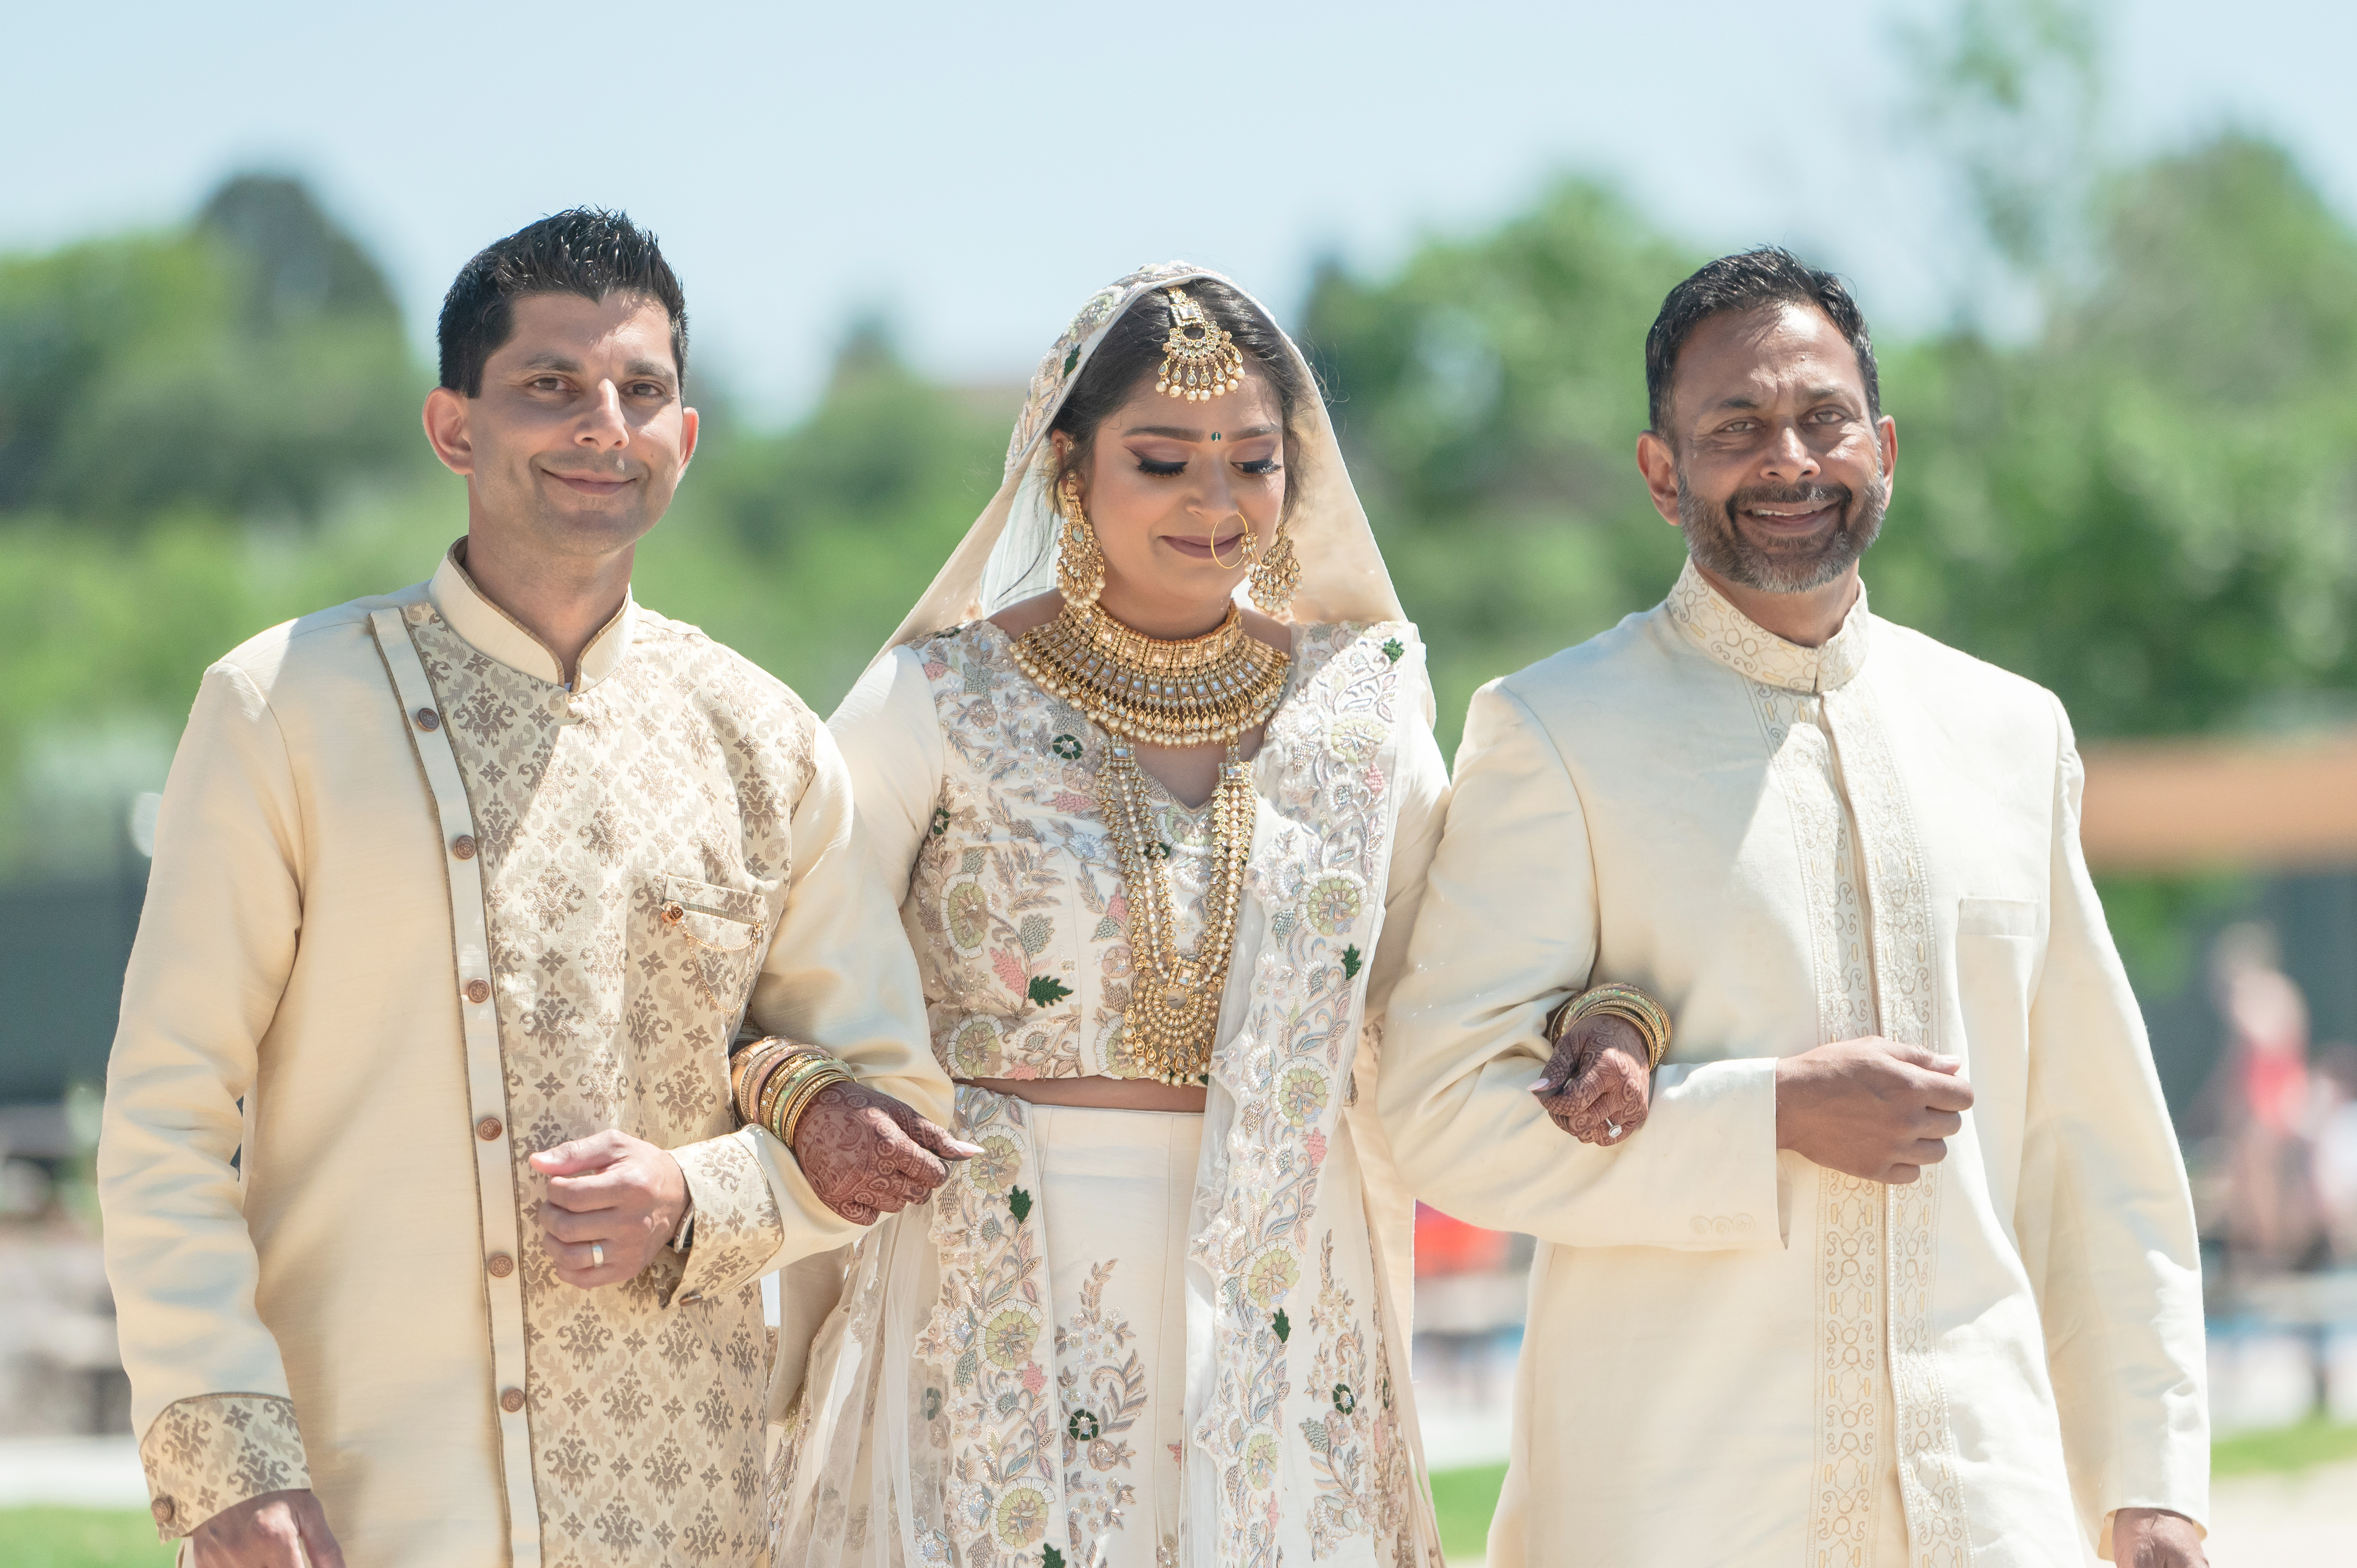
column 1010, row 1380
column 1735, row 1355
column 405, row 905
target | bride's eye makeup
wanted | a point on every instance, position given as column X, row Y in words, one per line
column 1165, row 470
column 1259, row 466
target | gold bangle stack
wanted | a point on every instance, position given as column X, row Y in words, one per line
column 776, row 1081
column 1617, row 1001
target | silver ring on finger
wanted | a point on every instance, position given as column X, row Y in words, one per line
column 596, row 1254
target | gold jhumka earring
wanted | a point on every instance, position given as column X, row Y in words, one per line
column 1199, row 361
column 1277, row 573
column 1080, row 565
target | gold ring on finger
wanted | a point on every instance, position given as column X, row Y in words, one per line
column 596, row 1254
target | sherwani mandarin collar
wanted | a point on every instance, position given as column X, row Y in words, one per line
column 1732, row 637
column 491, row 629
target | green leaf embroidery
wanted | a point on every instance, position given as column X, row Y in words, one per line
column 1072, row 357
column 1021, row 1202
column 1345, row 1400
column 1284, row 1327
column 1393, row 649
column 1067, row 746
column 1350, row 963
column 1047, row 990
column 940, row 820
column 1048, row 1556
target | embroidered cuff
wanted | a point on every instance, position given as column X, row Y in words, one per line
column 213, row 1451
column 738, row 1226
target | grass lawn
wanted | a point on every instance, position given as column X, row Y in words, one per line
column 2283, row 1448
column 81, row 1537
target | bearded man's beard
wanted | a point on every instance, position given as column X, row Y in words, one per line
column 1715, row 540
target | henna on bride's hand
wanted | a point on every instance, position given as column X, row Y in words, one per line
column 1598, row 1078
column 867, row 1154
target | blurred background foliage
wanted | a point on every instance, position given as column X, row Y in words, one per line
column 2126, row 467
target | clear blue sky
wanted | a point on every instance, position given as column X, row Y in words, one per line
column 975, row 170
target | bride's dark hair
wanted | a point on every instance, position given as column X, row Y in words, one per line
column 1132, row 352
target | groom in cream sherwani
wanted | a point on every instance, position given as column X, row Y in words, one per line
column 1901, row 1268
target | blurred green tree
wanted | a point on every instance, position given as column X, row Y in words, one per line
column 250, row 363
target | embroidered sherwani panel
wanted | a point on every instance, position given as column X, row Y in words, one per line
column 427, row 909
column 963, row 1403
column 1790, row 846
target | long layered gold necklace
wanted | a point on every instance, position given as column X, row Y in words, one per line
column 1192, row 692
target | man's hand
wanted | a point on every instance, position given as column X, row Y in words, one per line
column 1598, row 1084
column 620, row 1193
column 275, row 1530
column 865, row 1154
column 1872, row 1108
column 2155, row 1538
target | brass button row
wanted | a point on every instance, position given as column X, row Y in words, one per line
column 511, row 1400
column 462, row 847
column 479, row 990
column 488, row 1128
column 164, row 1508
column 427, row 719
column 501, row 1265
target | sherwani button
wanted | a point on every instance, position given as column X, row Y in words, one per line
column 463, row 847
column 427, row 719
column 511, row 1400
column 477, row 991
column 488, row 1128
column 164, row 1508
column 501, row 1265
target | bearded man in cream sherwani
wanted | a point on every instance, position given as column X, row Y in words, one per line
column 1900, row 1268
column 433, row 1228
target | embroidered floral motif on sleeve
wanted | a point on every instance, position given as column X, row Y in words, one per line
column 213, row 1451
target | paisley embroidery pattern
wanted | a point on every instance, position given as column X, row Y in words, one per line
column 670, row 782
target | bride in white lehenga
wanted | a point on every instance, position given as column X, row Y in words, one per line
column 1162, row 852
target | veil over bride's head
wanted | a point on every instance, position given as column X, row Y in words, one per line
column 1009, row 552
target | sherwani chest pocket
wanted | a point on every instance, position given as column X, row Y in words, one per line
column 708, row 941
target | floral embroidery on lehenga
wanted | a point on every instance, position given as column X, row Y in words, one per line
column 1038, row 1428
column 1103, row 1381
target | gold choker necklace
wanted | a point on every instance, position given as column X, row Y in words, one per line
column 1198, row 691
column 1140, row 689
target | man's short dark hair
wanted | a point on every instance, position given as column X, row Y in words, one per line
column 587, row 251
column 1752, row 280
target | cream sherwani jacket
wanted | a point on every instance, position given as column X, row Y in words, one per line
column 1735, row 1357
column 417, row 911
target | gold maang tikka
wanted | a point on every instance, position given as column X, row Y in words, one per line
column 1200, row 359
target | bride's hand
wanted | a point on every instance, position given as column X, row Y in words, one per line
column 865, row 1154
column 1598, row 1084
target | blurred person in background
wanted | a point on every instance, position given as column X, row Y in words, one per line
column 2261, row 1101
column 1161, row 852
column 1901, row 1268
column 431, row 1218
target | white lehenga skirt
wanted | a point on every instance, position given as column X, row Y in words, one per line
column 860, row 1479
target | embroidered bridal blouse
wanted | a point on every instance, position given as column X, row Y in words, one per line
column 979, row 790
column 1735, row 1355
column 407, row 908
